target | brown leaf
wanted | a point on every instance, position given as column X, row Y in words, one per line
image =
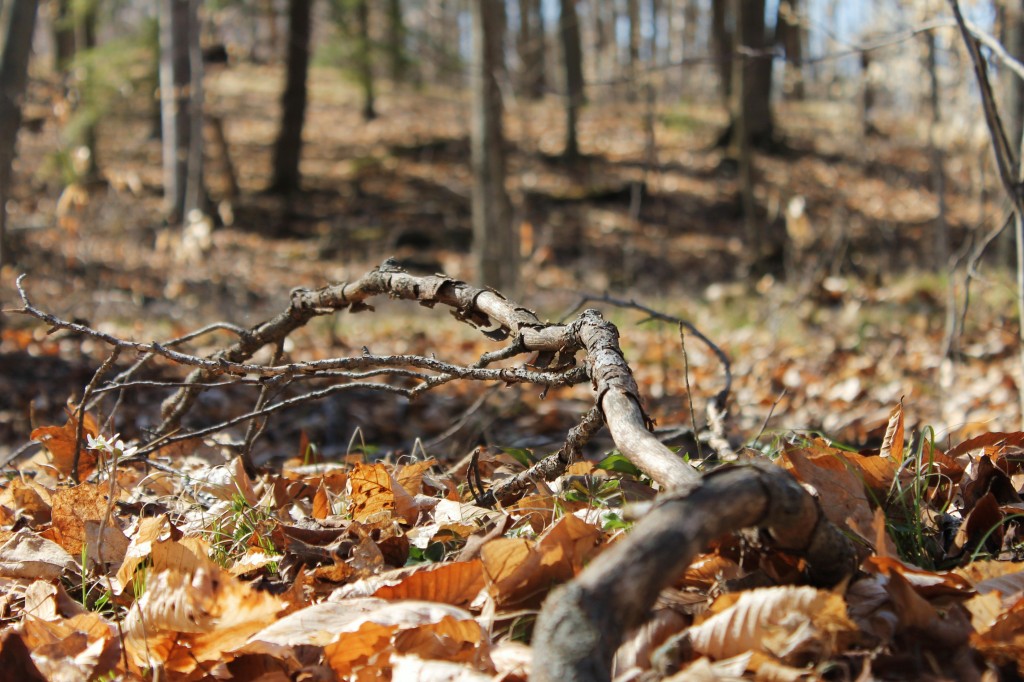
column 77, row 515
column 370, row 492
column 455, row 583
column 984, row 524
column 841, row 491
column 364, row 646
column 988, row 440
column 892, row 442
column 520, row 572
column 26, row 555
column 186, row 618
column 789, row 622
column 61, row 441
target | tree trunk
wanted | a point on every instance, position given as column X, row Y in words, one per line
column 364, row 64
column 63, row 35
column 722, row 39
column 288, row 147
column 789, row 34
column 13, row 80
column 396, row 41
column 633, row 9
column 572, row 58
column 752, row 100
column 181, row 108
column 495, row 242
column 1013, row 40
column 530, row 46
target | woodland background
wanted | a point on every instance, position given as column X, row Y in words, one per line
column 809, row 185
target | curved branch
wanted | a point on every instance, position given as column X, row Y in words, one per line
column 582, row 623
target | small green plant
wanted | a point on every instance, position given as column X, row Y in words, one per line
column 242, row 527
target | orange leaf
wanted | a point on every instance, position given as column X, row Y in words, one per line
column 61, row 440
column 450, row 583
column 370, row 491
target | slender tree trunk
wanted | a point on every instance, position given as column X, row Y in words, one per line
column 722, row 40
column 572, row 58
column 13, row 81
column 364, row 61
column 495, row 241
column 530, row 46
column 789, row 34
column 181, row 108
column 288, row 147
column 63, row 35
column 396, row 41
column 1013, row 39
column 85, row 39
column 633, row 9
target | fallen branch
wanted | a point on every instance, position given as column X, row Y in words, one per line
column 582, row 623
column 617, row 403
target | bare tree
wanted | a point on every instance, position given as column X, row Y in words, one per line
column 13, row 79
column 721, row 38
column 364, row 62
column 789, row 34
column 530, row 46
column 396, row 41
column 288, row 147
column 495, row 242
column 633, row 10
column 572, row 58
column 181, row 107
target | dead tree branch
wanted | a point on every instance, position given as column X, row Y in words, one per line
column 583, row 622
column 618, row 402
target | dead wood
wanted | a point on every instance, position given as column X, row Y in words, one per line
column 583, row 622
column 556, row 346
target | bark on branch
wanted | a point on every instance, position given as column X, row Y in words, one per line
column 583, row 622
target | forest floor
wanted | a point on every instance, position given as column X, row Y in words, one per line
column 858, row 322
column 854, row 339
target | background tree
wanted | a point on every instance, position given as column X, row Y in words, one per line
column 572, row 59
column 495, row 241
column 397, row 56
column 530, row 46
column 181, row 107
column 364, row 59
column 288, row 146
column 13, row 79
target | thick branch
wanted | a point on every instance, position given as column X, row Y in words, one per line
column 582, row 623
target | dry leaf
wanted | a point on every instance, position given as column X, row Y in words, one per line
column 61, row 441
column 26, row 555
column 791, row 623
column 892, row 443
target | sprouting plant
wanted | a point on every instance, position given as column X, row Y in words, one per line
column 244, row 526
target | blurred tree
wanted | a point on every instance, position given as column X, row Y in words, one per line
column 399, row 60
column 633, row 12
column 572, row 58
column 789, row 34
column 722, row 43
column 495, row 240
column 288, row 146
column 1012, row 23
column 13, row 80
column 364, row 58
column 181, row 107
column 749, row 103
column 530, row 46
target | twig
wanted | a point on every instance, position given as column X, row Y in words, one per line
column 547, row 469
column 86, row 395
column 689, row 391
column 1005, row 162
